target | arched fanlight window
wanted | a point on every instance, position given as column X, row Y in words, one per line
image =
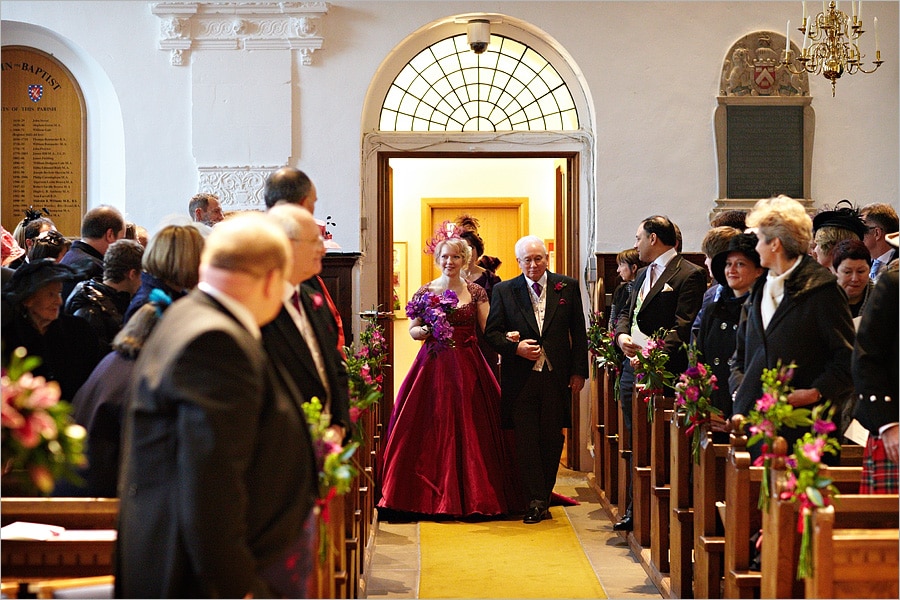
column 509, row 87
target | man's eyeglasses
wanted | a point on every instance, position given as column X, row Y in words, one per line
column 531, row 260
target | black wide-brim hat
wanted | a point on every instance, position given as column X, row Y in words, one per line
column 32, row 276
column 744, row 243
column 843, row 216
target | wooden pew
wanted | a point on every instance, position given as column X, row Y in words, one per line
column 73, row 554
column 660, row 468
column 709, row 533
column 640, row 472
column 781, row 541
column 624, row 467
column 743, row 518
column 610, row 438
column 681, row 524
column 852, row 563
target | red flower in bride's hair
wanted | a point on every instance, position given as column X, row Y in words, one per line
column 317, row 301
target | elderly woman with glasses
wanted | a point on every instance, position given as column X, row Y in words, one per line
column 796, row 314
column 68, row 347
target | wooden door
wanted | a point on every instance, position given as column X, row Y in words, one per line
column 502, row 221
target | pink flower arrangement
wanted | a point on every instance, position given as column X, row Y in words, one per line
column 650, row 371
column 693, row 397
column 39, row 435
column 772, row 412
column 805, row 483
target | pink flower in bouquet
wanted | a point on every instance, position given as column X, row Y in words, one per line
column 813, row 450
column 766, row 402
column 764, row 427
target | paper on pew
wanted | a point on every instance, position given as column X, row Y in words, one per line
column 857, row 433
column 41, row 532
column 22, row 530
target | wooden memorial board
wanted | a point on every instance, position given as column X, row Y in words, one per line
column 43, row 118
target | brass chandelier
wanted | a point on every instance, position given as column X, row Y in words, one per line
column 830, row 43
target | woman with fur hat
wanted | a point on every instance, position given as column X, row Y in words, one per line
column 68, row 347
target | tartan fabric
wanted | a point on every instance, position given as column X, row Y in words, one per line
column 879, row 474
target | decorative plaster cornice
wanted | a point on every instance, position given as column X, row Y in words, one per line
column 238, row 188
column 186, row 26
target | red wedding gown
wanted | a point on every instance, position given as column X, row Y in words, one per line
column 446, row 453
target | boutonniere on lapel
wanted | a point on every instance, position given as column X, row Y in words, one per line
column 317, row 300
column 559, row 286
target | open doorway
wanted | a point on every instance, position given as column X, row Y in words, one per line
column 511, row 197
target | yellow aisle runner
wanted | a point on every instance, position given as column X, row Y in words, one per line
column 505, row 559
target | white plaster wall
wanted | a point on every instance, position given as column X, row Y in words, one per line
column 652, row 69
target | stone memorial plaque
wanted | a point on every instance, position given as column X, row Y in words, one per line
column 43, row 120
column 765, row 151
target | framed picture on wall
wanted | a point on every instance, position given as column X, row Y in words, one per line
column 398, row 280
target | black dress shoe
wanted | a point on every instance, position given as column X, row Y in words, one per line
column 626, row 524
column 536, row 512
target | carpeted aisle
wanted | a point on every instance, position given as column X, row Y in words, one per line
column 505, row 559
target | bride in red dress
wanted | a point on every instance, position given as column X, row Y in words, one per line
column 445, row 452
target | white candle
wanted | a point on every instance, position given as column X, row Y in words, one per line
column 853, row 9
column 787, row 39
column 805, row 37
column 859, row 12
column 876, row 35
column 804, row 10
column 824, row 8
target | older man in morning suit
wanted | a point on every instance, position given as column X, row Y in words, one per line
column 217, row 475
column 299, row 337
column 667, row 294
column 536, row 323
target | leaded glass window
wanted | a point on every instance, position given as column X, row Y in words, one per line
column 509, row 87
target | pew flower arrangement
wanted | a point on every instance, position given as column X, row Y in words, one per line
column 365, row 365
column 432, row 310
column 334, row 461
column 603, row 349
column 650, row 370
column 772, row 412
column 805, row 484
column 693, row 396
column 40, row 438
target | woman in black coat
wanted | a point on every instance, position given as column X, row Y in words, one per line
column 736, row 268
column 796, row 314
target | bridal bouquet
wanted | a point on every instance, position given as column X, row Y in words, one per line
column 693, row 396
column 432, row 310
column 806, row 485
column 650, row 371
column 40, row 439
column 772, row 412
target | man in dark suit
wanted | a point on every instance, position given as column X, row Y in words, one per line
column 537, row 325
column 217, row 475
column 293, row 186
column 667, row 294
column 299, row 337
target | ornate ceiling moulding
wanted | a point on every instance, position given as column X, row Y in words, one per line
column 238, row 188
column 186, row 26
